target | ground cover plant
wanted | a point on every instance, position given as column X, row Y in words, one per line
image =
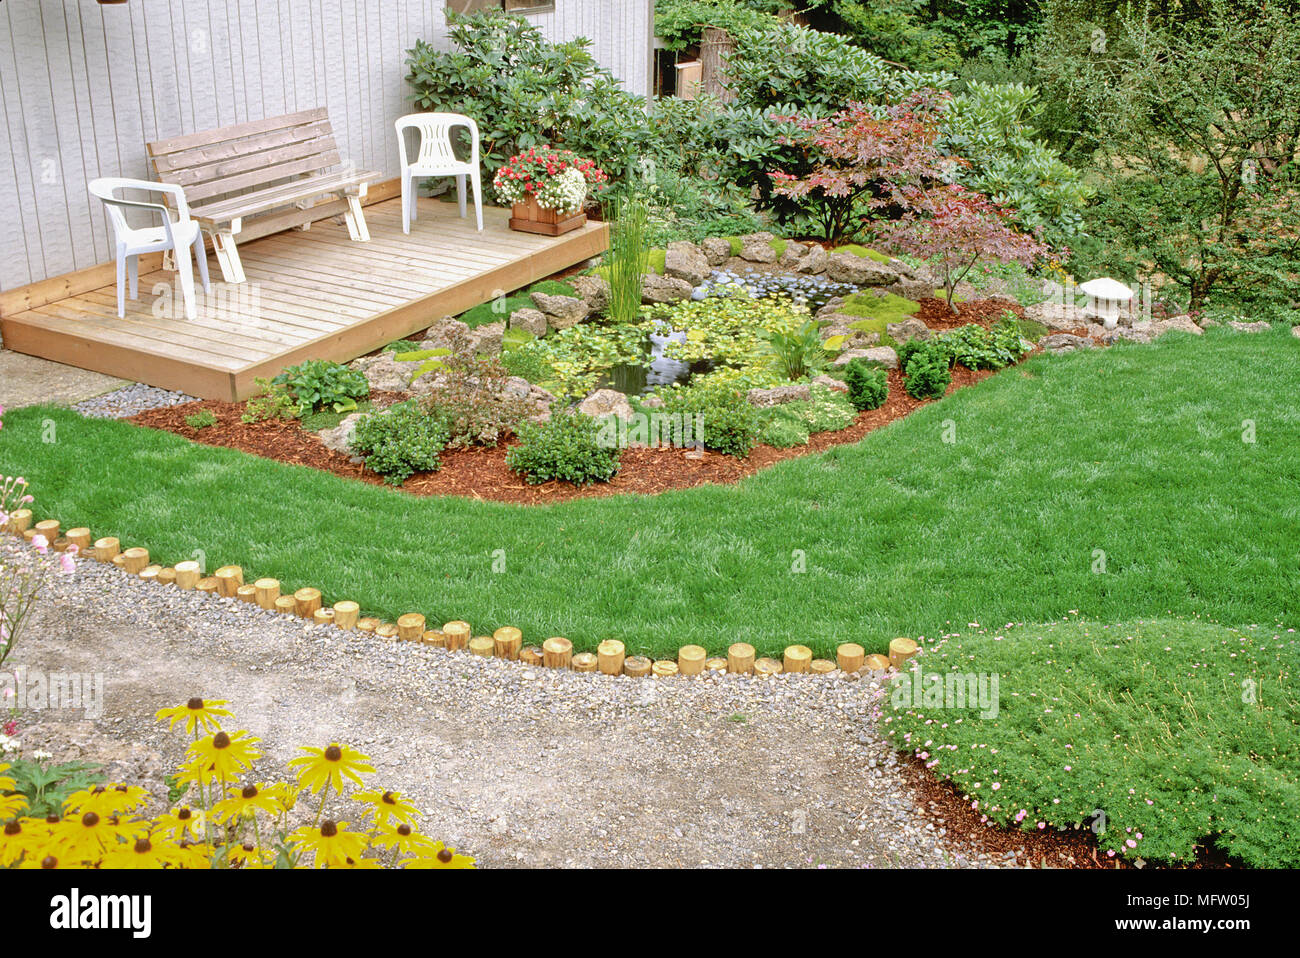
column 1157, row 735
column 666, row 578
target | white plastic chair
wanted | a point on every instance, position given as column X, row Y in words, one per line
column 179, row 235
column 436, row 157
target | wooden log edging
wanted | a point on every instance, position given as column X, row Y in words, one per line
column 506, row 642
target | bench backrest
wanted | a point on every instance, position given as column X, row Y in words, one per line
column 213, row 164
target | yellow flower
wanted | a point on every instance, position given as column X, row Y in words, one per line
column 360, row 864
column 220, row 756
column 248, row 855
column 105, row 801
column 11, row 805
column 49, row 862
column 85, row 837
column 331, row 844
column 404, row 838
column 388, row 805
column 144, row 851
column 6, row 784
column 196, row 713
column 245, row 800
column 440, row 856
column 16, row 839
column 323, row 767
column 182, row 823
column 283, row 794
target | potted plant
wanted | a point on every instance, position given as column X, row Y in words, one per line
column 547, row 189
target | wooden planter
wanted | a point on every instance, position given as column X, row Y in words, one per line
column 530, row 218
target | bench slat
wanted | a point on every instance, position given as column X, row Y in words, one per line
column 262, row 201
column 196, row 159
column 252, row 128
column 260, row 177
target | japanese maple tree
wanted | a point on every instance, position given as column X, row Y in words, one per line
column 879, row 168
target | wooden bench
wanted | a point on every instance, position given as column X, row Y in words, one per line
column 257, row 178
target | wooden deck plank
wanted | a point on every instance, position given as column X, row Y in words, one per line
column 318, row 295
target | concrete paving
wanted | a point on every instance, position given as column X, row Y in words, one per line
column 26, row 381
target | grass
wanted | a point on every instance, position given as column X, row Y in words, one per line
column 495, row 311
column 1177, row 730
column 858, row 250
column 1132, row 456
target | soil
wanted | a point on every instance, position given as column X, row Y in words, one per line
column 481, row 473
column 935, row 313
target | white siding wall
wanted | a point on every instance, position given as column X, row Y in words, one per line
column 83, row 87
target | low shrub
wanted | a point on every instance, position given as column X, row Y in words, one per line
column 567, row 447
column 319, row 383
column 1157, row 736
column 201, row 420
column 868, row 384
column 791, row 424
column 975, row 347
column 273, row 401
column 401, row 441
column 928, row 370
column 730, row 423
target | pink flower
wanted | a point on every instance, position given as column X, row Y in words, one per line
column 66, row 563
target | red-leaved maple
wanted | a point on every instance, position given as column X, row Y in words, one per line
column 879, row 168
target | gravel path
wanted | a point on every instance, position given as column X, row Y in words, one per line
column 515, row 765
column 129, row 400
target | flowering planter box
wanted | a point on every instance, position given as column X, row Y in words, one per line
column 530, row 218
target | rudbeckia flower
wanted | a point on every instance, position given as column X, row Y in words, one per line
column 404, row 838
column 245, row 800
column 388, row 805
column 325, row 767
column 105, row 800
column 196, row 713
column 182, row 823
column 142, row 852
column 331, row 844
column 6, row 784
column 86, row 836
column 222, row 756
column 15, row 841
column 249, row 855
column 440, row 856
column 11, row 805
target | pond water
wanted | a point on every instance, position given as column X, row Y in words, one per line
column 813, row 292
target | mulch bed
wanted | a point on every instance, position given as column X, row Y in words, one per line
column 934, row 312
column 939, row 803
column 481, row 473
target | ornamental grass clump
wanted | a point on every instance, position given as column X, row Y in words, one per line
column 1160, row 737
column 226, row 815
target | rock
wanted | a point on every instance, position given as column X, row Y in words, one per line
column 385, row 373
column 757, row 248
column 831, row 383
column 909, row 329
column 1065, row 343
column 664, row 289
column 487, row 338
column 1181, row 324
column 529, row 320
column 779, row 395
column 910, row 288
column 840, row 324
column 858, row 270
column 883, row 355
column 606, row 402
column 594, row 291
column 716, row 251
column 339, row 439
column 519, row 388
column 1262, row 326
column 653, row 402
column 1295, row 331
column 815, row 261
column 447, row 333
column 793, row 255
column 1057, row 316
column 561, row 311
column 685, row 261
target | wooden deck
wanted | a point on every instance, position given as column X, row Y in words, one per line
column 310, row 294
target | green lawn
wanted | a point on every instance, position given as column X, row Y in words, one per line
column 1134, row 452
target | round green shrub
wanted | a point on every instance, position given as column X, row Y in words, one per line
column 868, row 384
column 401, row 441
column 569, row 447
column 928, row 372
column 730, row 423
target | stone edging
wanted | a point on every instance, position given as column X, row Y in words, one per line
column 506, row 642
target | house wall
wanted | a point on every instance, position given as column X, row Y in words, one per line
column 84, row 86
